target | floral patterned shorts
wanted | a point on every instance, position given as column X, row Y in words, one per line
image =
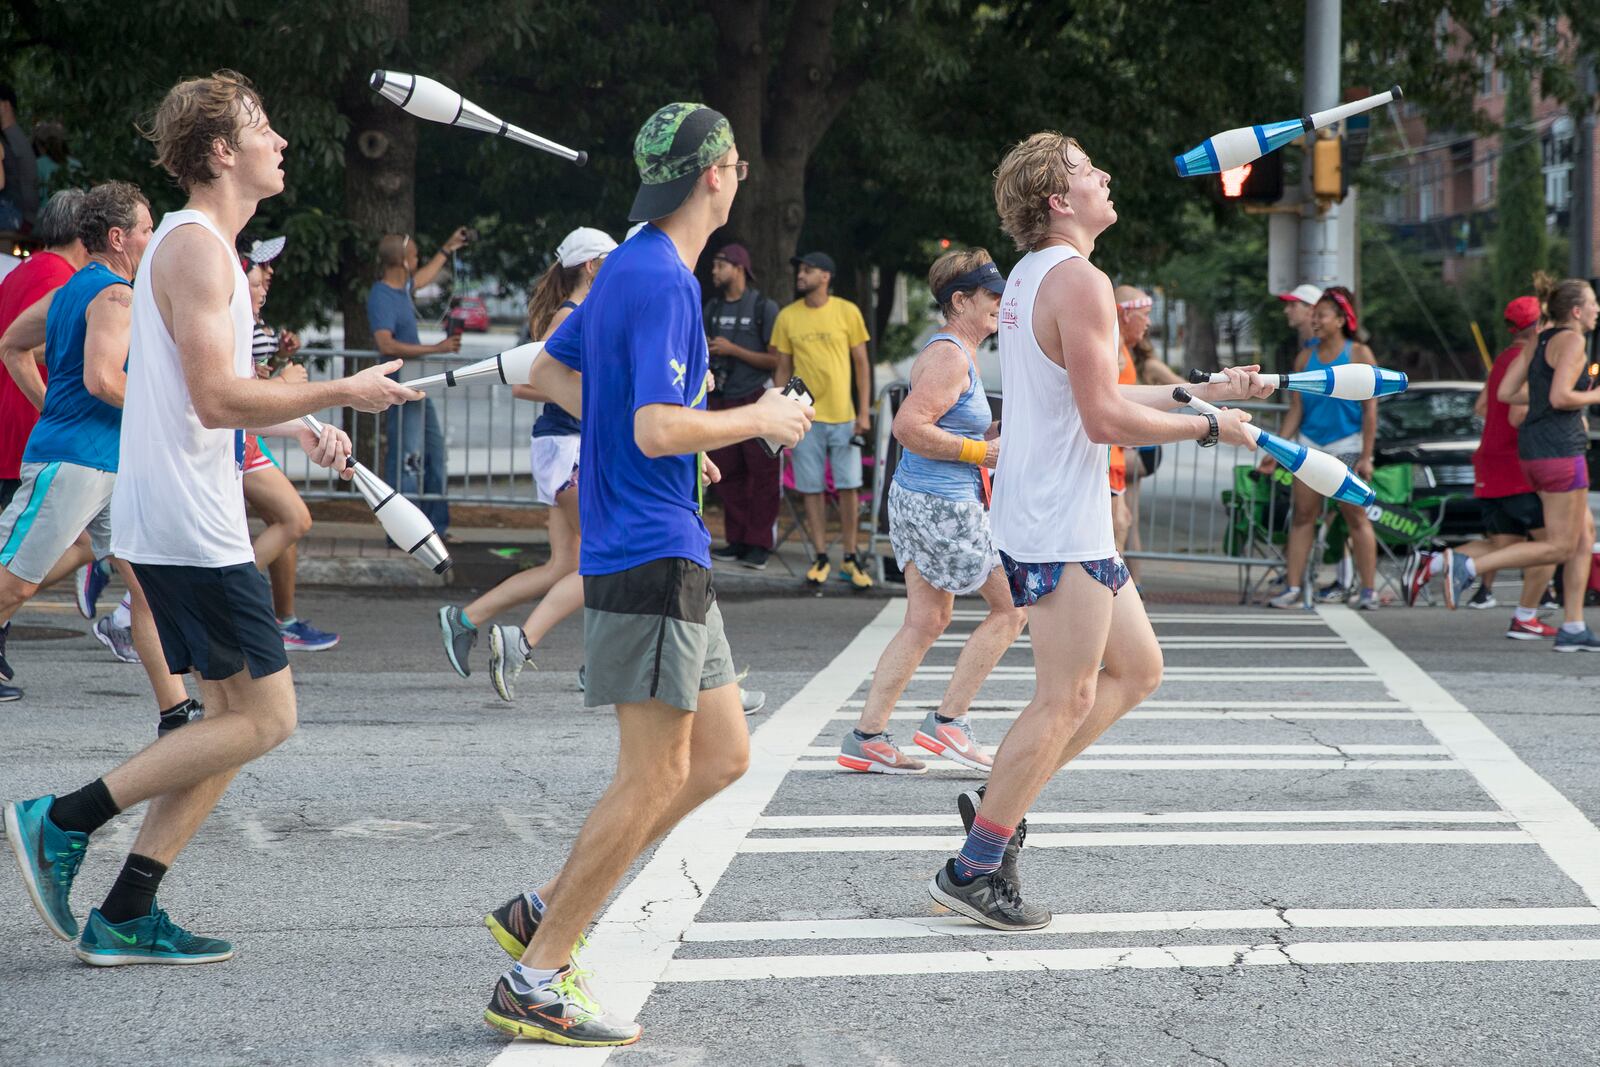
column 1031, row 581
column 948, row 540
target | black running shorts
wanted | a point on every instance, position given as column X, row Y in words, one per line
column 1519, row 515
column 217, row 621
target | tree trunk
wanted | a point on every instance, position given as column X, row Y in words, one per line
column 380, row 154
column 1199, row 337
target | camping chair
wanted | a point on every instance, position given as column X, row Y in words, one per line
column 1405, row 520
column 1257, row 523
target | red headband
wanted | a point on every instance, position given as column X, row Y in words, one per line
column 1344, row 306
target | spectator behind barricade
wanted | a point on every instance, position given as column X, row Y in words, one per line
column 57, row 168
column 1298, row 304
column 413, row 460
column 1139, row 355
column 19, row 178
column 1133, row 313
column 823, row 338
column 22, row 386
column 739, row 322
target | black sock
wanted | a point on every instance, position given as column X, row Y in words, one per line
column 864, row 737
column 133, row 894
column 86, row 810
column 942, row 718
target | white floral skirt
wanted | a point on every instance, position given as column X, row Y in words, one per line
column 948, row 540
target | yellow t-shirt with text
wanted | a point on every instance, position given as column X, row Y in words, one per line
column 819, row 340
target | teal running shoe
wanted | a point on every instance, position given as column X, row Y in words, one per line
column 152, row 938
column 49, row 858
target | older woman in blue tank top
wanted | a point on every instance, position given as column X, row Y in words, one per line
column 939, row 526
column 1345, row 428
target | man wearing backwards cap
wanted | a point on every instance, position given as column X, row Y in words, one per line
column 632, row 358
column 1297, row 307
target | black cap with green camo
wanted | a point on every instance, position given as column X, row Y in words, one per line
column 674, row 146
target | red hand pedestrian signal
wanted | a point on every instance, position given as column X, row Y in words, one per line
column 1233, row 181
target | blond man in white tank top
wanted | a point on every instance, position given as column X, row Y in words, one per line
column 1051, row 514
column 177, row 515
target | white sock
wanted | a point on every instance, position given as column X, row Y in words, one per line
column 526, row 979
column 1472, row 568
column 122, row 618
column 1526, row 614
column 1574, row 627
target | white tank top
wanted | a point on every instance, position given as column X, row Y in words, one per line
column 1052, row 495
column 178, row 500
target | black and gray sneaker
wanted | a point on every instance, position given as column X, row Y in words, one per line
column 509, row 652
column 458, row 638
column 189, row 711
column 512, row 924
column 968, row 804
column 6, row 673
column 562, row 1012
column 990, row 899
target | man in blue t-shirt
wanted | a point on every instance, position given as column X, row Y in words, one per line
column 653, row 637
column 413, row 459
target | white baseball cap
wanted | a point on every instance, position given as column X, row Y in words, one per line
column 582, row 245
column 1305, row 293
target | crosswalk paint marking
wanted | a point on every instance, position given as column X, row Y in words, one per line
column 1233, row 706
column 1279, row 716
column 1099, row 750
column 1107, row 818
column 1143, row 839
column 1086, row 764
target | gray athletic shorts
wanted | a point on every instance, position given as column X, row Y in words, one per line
column 54, row 504
column 653, row 632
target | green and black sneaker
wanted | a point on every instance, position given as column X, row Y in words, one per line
column 152, row 938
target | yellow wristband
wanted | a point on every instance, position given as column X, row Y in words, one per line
column 973, row 452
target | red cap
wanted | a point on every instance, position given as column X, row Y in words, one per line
column 1522, row 313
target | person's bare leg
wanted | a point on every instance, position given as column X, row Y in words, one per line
column 535, row 582
column 283, row 573
column 927, row 616
column 653, row 767
column 562, row 601
column 167, row 687
column 1307, row 508
column 1563, row 519
column 1070, row 627
column 14, row 592
column 817, row 522
column 76, row 555
column 262, row 716
column 849, row 519
column 987, row 643
column 1486, row 545
column 172, row 819
column 1363, row 544
column 274, row 497
column 1135, row 542
column 1575, row 576
column 1121, row 519
column 1133, row 671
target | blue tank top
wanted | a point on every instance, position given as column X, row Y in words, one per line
column 1326, row 419
column 968, row 417
column 76, row 426
column 554, row 420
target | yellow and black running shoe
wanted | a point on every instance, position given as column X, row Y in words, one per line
column 560, row 1011
column 818, row 574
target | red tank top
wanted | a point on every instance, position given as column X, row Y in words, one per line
column 1496, row 469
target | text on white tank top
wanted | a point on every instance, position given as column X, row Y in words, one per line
column 1052, row 495
column 179, row 498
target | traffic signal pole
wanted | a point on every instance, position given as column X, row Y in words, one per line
column 1319, row 225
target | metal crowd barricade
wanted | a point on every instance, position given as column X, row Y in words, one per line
column 1197, row 507
column 485, row 432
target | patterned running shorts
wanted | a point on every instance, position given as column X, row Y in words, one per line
column 1030, row 582
column 948, row 540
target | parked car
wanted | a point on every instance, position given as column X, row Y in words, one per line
column 1432, row 426
column 469, row 312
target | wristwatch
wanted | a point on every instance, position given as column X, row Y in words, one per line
column 1212, row 434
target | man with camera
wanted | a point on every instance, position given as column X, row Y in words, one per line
column 739, row 321
column 413, row 460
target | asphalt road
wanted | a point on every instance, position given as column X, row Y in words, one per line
column 1406, row 873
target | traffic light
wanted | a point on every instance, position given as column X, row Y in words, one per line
column 1327, row 169
column 1259, row 181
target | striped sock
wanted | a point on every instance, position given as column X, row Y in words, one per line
column 986, row 844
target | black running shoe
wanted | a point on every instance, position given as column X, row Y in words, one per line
column 6, row 673
column 755, row 557
column 728, row 552
column 967, row 804
column 989, row 899
column 458, row 638
column 561, row 1012
column 513, row 924
column 1483, row 598
column 189, row 711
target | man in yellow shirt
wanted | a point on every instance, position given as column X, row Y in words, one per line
column 820, row 337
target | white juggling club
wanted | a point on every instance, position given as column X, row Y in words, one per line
column 1320, row 471
column 510, row 367
column 1236, row 147
column 1348, row 381
column 402, row 520
column 427, row 99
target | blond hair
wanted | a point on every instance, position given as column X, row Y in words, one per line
column 193, row 116
column 1027, row 177
column 952, row 265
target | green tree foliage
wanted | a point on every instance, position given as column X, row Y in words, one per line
column 1520, row 244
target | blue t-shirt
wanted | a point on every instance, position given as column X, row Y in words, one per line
column 391, row 309
column 637, row 339
column 76, row 426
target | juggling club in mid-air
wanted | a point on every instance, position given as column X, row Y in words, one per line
column 1236, row 147
column 510, row 367
column 1320, row 471
column 427, row 99
column 1347, row 381
column 402, row 520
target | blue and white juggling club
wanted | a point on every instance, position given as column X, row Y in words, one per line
column 1236, row 147
column 1347, row 381
column 1320, row 471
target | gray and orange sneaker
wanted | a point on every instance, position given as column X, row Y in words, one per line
column 560, row 1011
column 877, row 755
column 954, row 741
